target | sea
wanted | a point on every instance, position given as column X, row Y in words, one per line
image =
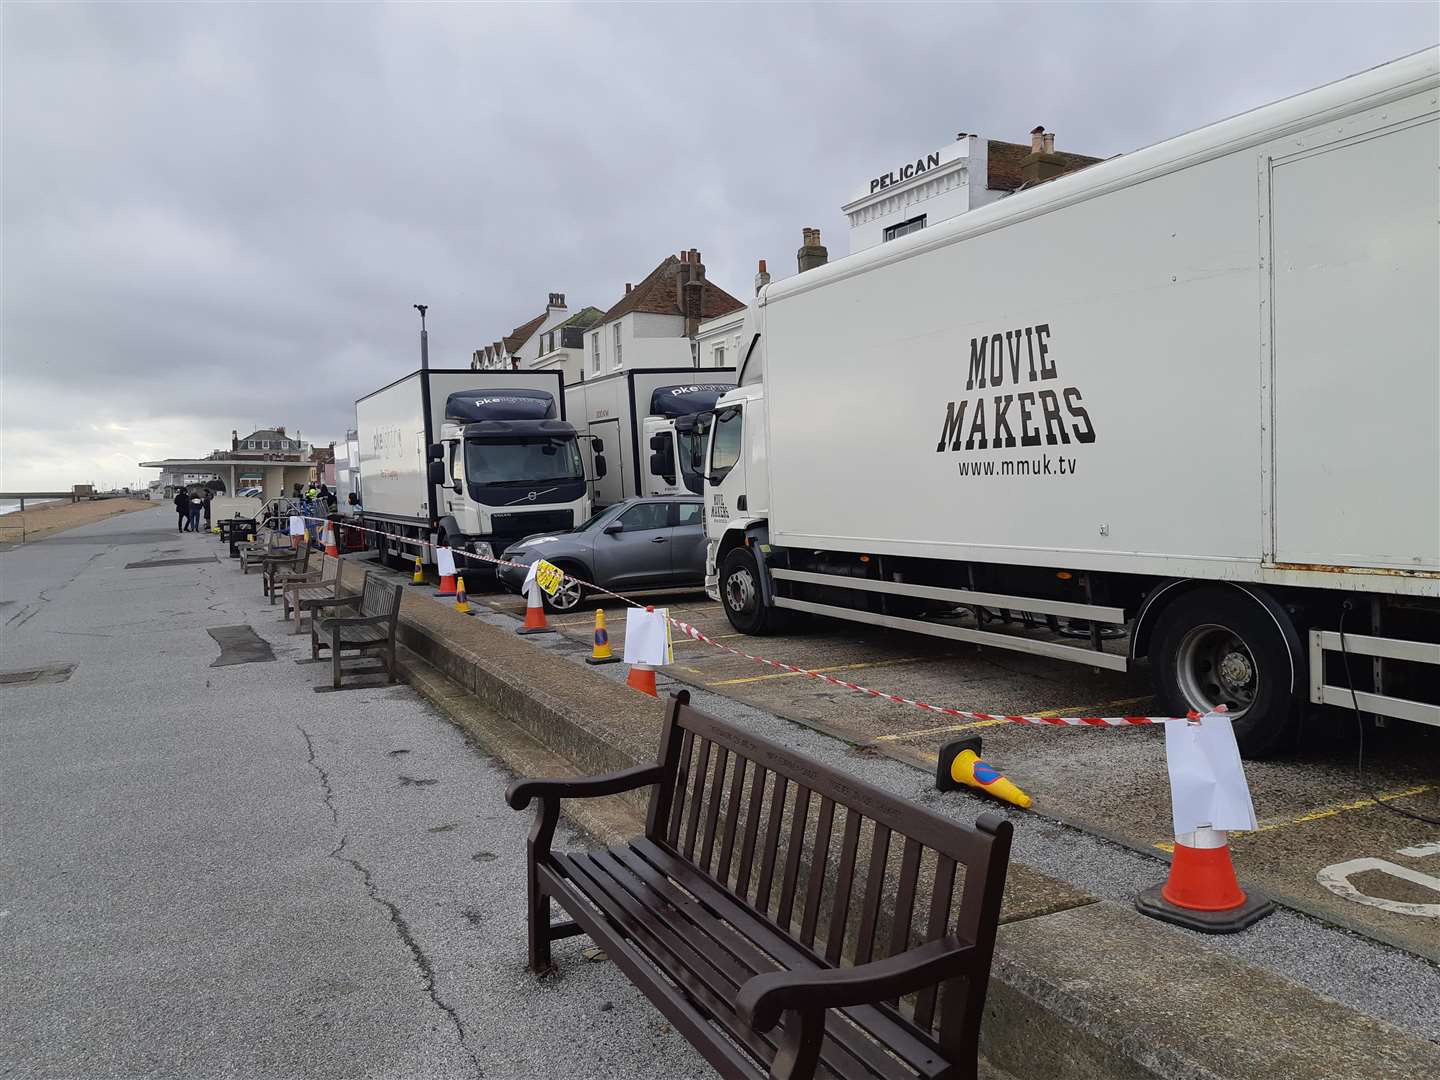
column 8, row 506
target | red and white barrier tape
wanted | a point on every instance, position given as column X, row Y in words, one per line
column 691, row 632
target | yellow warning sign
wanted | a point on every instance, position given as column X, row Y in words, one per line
column 548, row 576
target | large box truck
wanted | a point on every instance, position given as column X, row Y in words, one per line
column 1178, row 406
column 501, row 461
column 648, row 425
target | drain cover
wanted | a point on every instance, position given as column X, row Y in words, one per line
column 239, row 645
column 50, row 673
column 165, row 562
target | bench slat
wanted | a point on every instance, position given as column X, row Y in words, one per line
column 760, row 945
column 939, row 917
column 799, row 819
column 772, row 843
column 819, row 860
column 844, row 885
column 752, row 827
column 712, row 816
column 682, row 777
column 697, row 798
column 874, row 882
column 732, row 819
column 905, row 897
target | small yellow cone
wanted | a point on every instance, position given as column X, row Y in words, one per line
column 418, row 578
column 600, row 652
column 962, row 766
column 462, row 602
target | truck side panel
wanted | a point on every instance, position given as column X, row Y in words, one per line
column 1083, row 388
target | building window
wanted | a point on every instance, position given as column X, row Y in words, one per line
column 719, row 355
column 915, row 224
column 249, row 444
column 595, row 353
column 618, row 360
column 264, row 444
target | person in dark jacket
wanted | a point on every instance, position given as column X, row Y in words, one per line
column 182, row 507
column 208, row 496
column 197, row 504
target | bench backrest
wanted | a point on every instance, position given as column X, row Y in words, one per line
column 848, row 870
column 380, row 597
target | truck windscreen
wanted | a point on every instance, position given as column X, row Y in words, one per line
column 522, row 461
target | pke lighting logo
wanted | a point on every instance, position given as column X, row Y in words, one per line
column 1022, row 414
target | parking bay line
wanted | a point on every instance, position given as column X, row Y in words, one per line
column 973, row 724
column 820, row 670
column 1317, row 815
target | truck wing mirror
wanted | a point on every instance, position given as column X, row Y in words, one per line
column 437, row 474
column 600, row 469
column 660, row 466
column 435, row 452
column 599, row 446
column 658, row 442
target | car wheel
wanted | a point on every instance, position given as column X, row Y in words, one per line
column 1218, row 647
column 568, row 597
column 740, row 594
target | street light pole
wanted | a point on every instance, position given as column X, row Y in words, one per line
column 429, row 426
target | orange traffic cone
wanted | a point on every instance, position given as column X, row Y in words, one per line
column 1201, row 892
column 642, row 678
column 600, row 653
column 330, row 548
column 462, row 602
column 445, row 566
column 534, row 611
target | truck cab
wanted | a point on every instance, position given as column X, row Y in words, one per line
column 508, row 467
column 737, row 497
column 675, row 430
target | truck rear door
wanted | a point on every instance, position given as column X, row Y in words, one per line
column 1355, row 270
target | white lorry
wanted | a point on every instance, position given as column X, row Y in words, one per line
column 502, row 461
column 1180, row 405
column 649, row 424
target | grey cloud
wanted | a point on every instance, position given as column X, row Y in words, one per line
column 215, row 215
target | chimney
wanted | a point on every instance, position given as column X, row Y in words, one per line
column 690, row 290
column 628, row 287
column 557, row 300
column 762, row 278
column 1042, row 163
column 234, row 440
column 280, row 430
column 812, row 253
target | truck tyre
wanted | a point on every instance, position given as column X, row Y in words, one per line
column 740, row 594
column 1219, row 647
column 569, row 596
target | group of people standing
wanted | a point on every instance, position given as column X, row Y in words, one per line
column 189, row 508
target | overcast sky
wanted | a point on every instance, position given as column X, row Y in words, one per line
column 218, row 216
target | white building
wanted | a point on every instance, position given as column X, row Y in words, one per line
column 654, row 323
column 522, row 346
column 563, row 346
column 968, row 173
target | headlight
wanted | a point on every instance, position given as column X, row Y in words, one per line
column 483, row 549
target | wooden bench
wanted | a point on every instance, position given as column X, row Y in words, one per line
column 279, row 568
column 732, row 930
column 254, row 554
column 369, row 632
column 313, row 592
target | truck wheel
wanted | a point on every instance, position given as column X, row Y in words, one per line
column 568, row 597
column 1217, row 647
column 740, row 594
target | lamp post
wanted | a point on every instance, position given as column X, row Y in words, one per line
column 429, row 427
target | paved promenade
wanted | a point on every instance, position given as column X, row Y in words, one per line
column 213, row 871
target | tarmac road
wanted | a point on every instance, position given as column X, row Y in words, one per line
column 212, row 871
column 1316, row 814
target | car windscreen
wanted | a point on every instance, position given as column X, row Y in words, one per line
column 522, row 461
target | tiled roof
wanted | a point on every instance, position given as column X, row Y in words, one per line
column 656, row 295
column 584, row 318
column 522, row 333
column 1005, row 160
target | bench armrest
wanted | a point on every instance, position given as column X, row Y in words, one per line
column 333, row 601
column 765, row 997
column 586, row 787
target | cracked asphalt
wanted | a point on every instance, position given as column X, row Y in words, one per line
column 216, row 872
